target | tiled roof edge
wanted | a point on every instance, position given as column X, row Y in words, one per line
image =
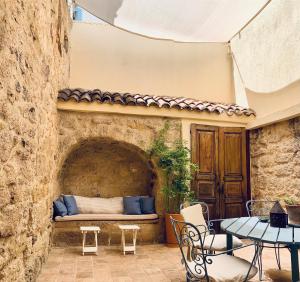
column 180, row 103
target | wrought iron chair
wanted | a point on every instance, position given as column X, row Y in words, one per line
column 261, row 208
column 197, row 213
column 204, row 266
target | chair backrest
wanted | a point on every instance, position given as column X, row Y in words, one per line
column 194, row 215
column 259, row 207
column 190, row 242
column 205, row 209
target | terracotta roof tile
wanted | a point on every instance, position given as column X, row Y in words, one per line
column 180, row 103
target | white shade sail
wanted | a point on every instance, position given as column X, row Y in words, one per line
column 178, row 20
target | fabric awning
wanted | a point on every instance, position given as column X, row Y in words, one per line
column 178, row 20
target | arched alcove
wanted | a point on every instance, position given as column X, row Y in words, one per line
column 107, row 168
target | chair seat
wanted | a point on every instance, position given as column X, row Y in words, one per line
column 220, row 242
column 224, row 268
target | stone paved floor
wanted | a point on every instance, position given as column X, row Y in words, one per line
column 153, row 263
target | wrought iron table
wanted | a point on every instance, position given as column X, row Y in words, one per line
column 255, row 229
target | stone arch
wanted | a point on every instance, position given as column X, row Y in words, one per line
column 107, row 167
column 75, row 128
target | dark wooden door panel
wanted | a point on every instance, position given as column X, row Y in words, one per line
column 206, row 151
column 221, row 181
column 206, row 189
column 232, row 153
column 205, row 155
column 232, row 167
column 213, row 211
column 233, row 189
column 233, row 209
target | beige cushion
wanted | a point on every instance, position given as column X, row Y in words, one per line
column 99, row 205
column 226, row 269
column 78, row 217
column 193, row 214
column 220, row 242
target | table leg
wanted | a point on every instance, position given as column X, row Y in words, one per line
column 83, row 242
column 294, row 263
column 229, row 244
column 134, row 240
column 123, row 241
column 96, row 242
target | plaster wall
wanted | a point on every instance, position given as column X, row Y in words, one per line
column 34, row 65
column 110, row 59
column 268, row 57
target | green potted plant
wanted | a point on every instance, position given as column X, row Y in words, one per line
column 178, row 171
column 293, row 209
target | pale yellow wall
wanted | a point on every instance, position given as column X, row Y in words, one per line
column 107, row 58
column 268, row 56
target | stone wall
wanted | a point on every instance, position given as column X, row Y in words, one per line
column 275, row 160
column 76, row 129
column 34, row 65
column 136, row 133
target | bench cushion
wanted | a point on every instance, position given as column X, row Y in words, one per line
column 108, row 217
column 70, row 204
column 97, row 205
column 132, row 205
column 147, row 205
column 59, row 208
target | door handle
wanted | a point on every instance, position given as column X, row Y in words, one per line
column 221, row 190
column 220, row 187
column 218, row 182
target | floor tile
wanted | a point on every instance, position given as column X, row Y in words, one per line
column 153, row 263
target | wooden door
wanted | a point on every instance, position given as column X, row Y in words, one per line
column 221, row 180
column 233, row 172
column 205, row 155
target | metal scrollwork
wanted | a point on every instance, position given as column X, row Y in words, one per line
column 190, row 241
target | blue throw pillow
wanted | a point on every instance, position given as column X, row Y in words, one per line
column 147, row 205
column 132, row 205
column 59, row 208
column 71, row 205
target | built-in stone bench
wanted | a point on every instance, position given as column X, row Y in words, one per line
column 66, row 229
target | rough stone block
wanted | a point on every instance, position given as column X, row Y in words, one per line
column 275, row 173
column 68, row 233
column 32, row 70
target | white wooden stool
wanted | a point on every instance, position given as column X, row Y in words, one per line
column 84, row 230
column 129, row 248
